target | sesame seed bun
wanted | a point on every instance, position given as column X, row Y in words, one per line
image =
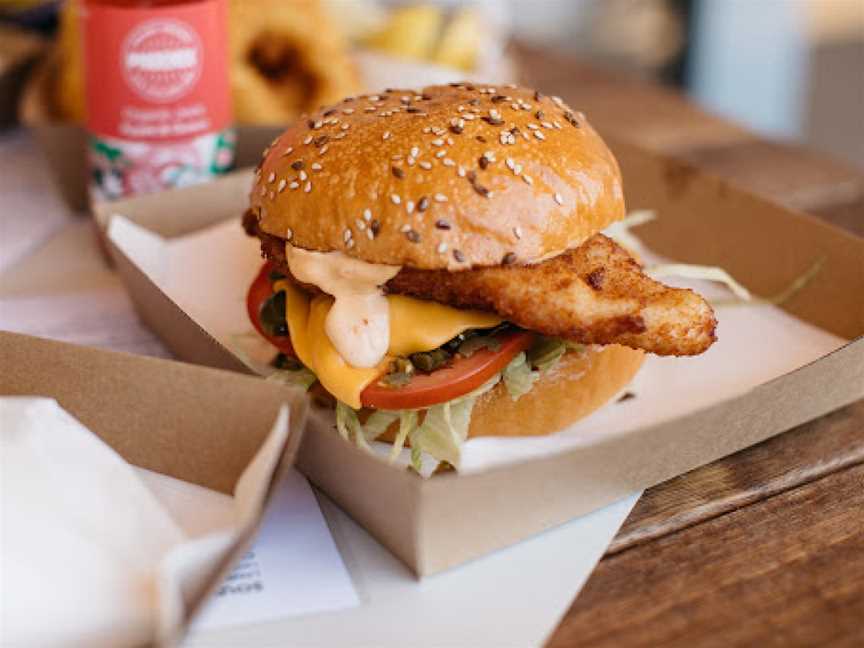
column 448, row 177
column 578, row 385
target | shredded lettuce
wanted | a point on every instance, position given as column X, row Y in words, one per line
column 518, row 377
column 620, row 231
column 377, row 423
column 302, row 378
column 708, row 273
column 348, row 425
column 546, row 352
column 407, row 426
column 442, row 432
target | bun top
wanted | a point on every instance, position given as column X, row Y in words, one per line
column 446, row 177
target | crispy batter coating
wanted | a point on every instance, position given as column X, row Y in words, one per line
column 593, row 294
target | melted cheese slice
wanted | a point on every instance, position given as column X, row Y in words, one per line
column 415, row 325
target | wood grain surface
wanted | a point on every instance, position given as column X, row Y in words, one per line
column 785, row 571
column 765, row 547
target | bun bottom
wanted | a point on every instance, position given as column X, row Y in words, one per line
column 577, row 386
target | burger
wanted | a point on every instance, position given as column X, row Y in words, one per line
column 436, row 263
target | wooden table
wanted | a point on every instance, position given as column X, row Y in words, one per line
column 764, row 547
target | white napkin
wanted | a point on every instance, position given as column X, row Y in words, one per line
column 81, row 535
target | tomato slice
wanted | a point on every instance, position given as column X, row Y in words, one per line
column 462, row 376
column 259, row 292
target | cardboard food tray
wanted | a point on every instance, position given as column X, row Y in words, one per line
column 196, row 424
column 434, row 524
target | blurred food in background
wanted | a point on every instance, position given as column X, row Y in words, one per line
column 285, row 58
column 289, row 57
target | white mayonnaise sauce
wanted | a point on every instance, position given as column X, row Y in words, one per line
column 358, row 324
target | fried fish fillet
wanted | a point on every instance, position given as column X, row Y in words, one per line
column 594, row 294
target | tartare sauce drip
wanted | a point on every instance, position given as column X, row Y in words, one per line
column 358, row 323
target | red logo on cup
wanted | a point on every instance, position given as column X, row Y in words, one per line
column 162, row 60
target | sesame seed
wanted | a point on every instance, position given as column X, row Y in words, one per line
column 509, row 258
column 439, row 197
column 483, row 162
column 289, row 234
column 540, row 136
column 410, row 161
column 282, row 183
column 460, row 171
column 346, row 235
column 528, row 179
column 339, row 136
column 271, row 177
column 350, row 243
column 458, row 256
column 426, row 165
column 423, row 204
column 375, row 227
column 442, row 247
column 397, row 172
column 533, row 126
column 510, row 163
column 317, row 125
column 348, row 111
column 517, row 232
column 367, row 214
column 288, row 151
column 316, row 166
column 361, row 225
column 303, row 176
column 409, row 206
column 293, row 185
column 540, row 115
column 369, row 109
column 468, row 117
column 442, row 224
column 448, row 162
column 438, row 142
column 427, row 130
column 559, row 198
column 518, row 169
column 440, row 154
column 395, row 199
column 324, row 149
column 558, row 101
column 483, row 191
column 370, row 234
column 297, row 165
column 307, row 187
column 412, row 236
column 489, row 155
column 385, row 136
column 456, row 130
column 481, row 139
column 415, row 152
column 546, row 124
column 345, row 126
